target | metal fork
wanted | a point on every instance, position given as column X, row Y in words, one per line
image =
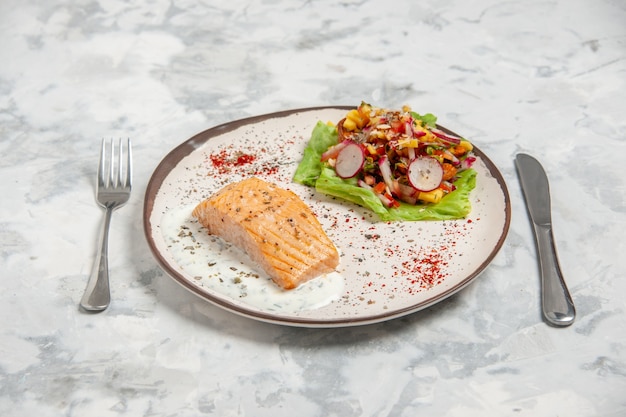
column 112, row 192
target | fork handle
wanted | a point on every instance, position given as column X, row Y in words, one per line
column 97, row 295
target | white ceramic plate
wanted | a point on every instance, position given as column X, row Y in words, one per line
column 387, row 269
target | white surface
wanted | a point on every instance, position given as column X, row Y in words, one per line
column 543, row 77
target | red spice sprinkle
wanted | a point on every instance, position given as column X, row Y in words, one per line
column 244, row 159
column 224, row 161
column 219, row 159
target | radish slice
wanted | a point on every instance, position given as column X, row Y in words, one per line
column 363, row 184
column 405, row 193
column 334, row 150
column 450, row 156
column 403, row 190
column 468, row 162
column 425, row 173
column 408, row 129
column 350, row 160
column 385, row 171
column 388, row 202
column 446, row 138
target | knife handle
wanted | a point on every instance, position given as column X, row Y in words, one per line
column 558, row 307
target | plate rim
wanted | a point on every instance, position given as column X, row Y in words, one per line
column 179, row 152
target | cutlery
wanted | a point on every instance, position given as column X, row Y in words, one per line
column 112, row 191
column 557, row 305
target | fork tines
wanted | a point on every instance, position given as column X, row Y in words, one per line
column 115, row 168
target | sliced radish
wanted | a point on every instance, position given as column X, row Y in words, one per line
column 408, row 129
column 363, row 184
column 405, row 193
column 333, row 151
column 386, row 199
column 447, row 138
column 388, row 202
column 450, row 156
column 425, row 173
column 468, row 162
column 385, row 171
column 350, row 160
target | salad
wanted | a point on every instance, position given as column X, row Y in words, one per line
column 397, row 163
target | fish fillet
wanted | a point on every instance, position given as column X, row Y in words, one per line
column 274, row 227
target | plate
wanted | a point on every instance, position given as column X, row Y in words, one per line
column 387, row 269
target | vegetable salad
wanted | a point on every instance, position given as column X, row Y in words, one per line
column 397, row 163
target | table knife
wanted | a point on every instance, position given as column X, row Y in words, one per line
column 557, row 305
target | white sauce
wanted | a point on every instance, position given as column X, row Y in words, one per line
column 213, row 263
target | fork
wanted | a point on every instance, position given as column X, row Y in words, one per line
column 112, row 191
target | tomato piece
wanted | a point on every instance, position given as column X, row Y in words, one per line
column 380, row 187
column 397, row 126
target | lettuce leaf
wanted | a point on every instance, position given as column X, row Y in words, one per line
column 312, row 172
column 427, row 119
column 309, row 169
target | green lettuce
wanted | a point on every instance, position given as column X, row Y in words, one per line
column 428, row 119
column 314, row 173
column 309, row 169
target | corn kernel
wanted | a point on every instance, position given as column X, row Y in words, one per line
column 428, row 137
column 356, row 117
column 408, row 143
column 433, row 196
column 353, row 115
column 349, row 124
column 466, row 145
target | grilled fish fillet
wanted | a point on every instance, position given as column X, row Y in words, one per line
column 274, row 227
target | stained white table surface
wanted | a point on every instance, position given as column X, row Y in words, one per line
column 542, row 77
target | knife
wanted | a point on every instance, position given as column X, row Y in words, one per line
column 556, row 302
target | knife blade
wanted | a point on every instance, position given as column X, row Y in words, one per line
column 557, row 305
